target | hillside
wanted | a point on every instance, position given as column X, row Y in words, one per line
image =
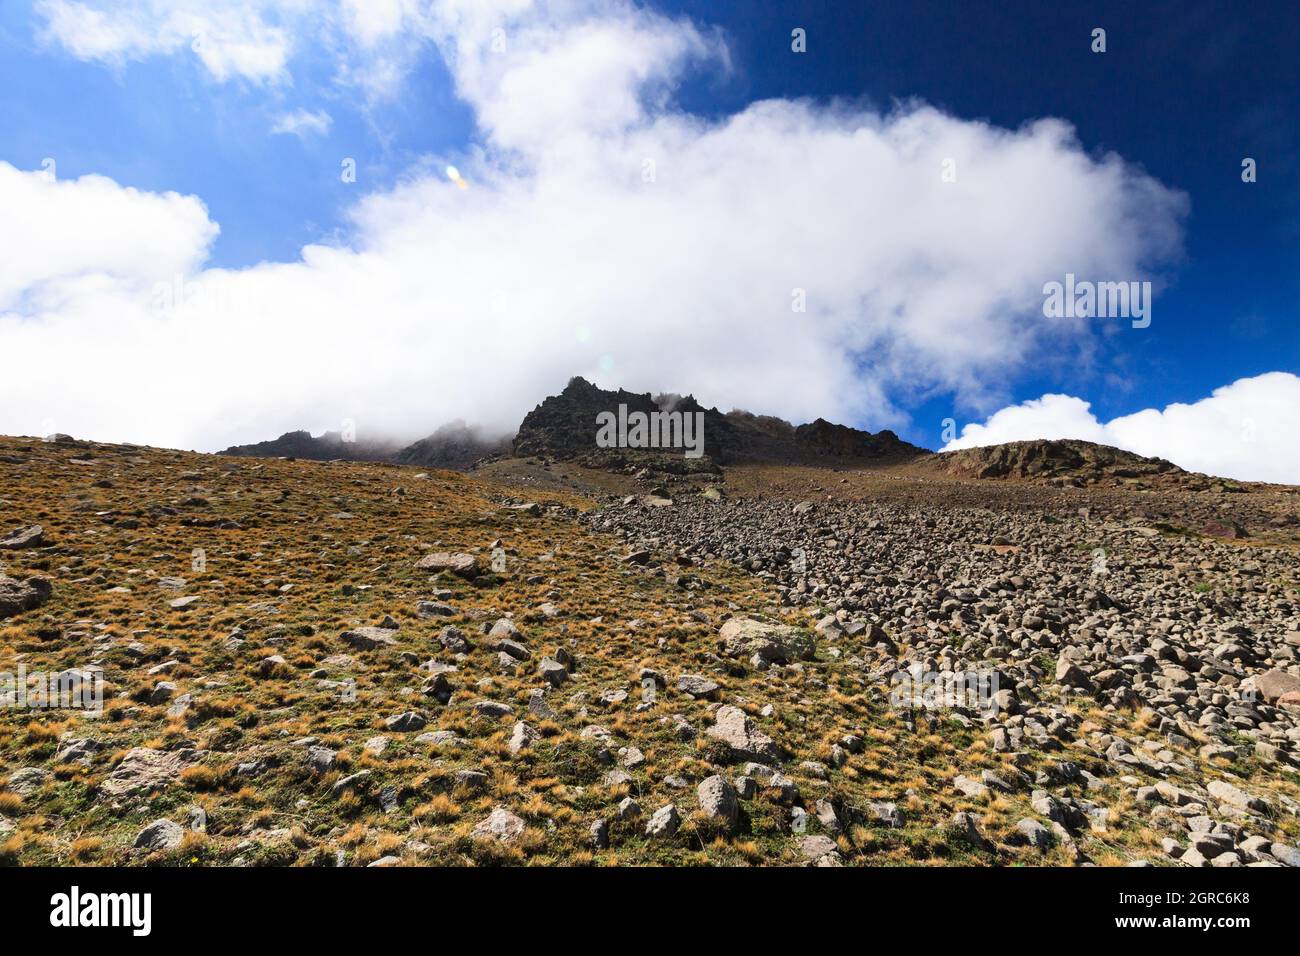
column 351, row 663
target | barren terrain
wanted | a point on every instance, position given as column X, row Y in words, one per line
column 349, row 663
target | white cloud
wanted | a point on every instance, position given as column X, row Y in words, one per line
column 232, row 39
column 59, row 233
column 376, row 42
column 304, row 123
column 1245, row 430
column 604, row 232
column 538, row 84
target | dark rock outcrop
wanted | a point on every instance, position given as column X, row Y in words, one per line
column 1062, row 461
column 841, row 441
column 18, row 596
column 564, row 426
column 327, row 447
column 456, row 446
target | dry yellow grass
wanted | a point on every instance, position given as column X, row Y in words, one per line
column 296, row 553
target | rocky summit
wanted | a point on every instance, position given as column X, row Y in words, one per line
column 820, row 647
column 564, row 426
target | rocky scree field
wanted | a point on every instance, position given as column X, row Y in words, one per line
column 362, row 663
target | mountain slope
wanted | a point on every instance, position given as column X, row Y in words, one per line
column 482, row 672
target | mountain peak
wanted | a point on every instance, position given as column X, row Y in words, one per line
column 565, row 426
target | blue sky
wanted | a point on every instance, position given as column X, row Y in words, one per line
column 1184, row 89
column 163, row 124
column 1183, row 92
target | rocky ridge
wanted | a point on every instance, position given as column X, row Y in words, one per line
column 1063, row 462
column 564, row 427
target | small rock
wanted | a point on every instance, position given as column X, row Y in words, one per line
column 406, row 723
column 967, row 827
column 160, row 835
column 369, row 638
column 321, row 759
column 734, row 727
column 500, row 825
column 663, row 822
column 718, row 801
column 1034, row 834
column 693, row 685
column 33, row 537
column 553, row 672
column 522, row 737
column 459, row 563
column 816, row 847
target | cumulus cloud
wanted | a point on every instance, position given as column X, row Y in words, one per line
column 374, row 41
column 61, row 234
column 595, row 229
column 231, row 39
column 1244, row 430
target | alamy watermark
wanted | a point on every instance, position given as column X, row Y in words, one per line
column 651, row 430
column 1084, row 299
column 66, row 690
column 940, row 690
column 183, row 297
column 76, row 909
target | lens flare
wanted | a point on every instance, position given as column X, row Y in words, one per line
column 454, row 175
